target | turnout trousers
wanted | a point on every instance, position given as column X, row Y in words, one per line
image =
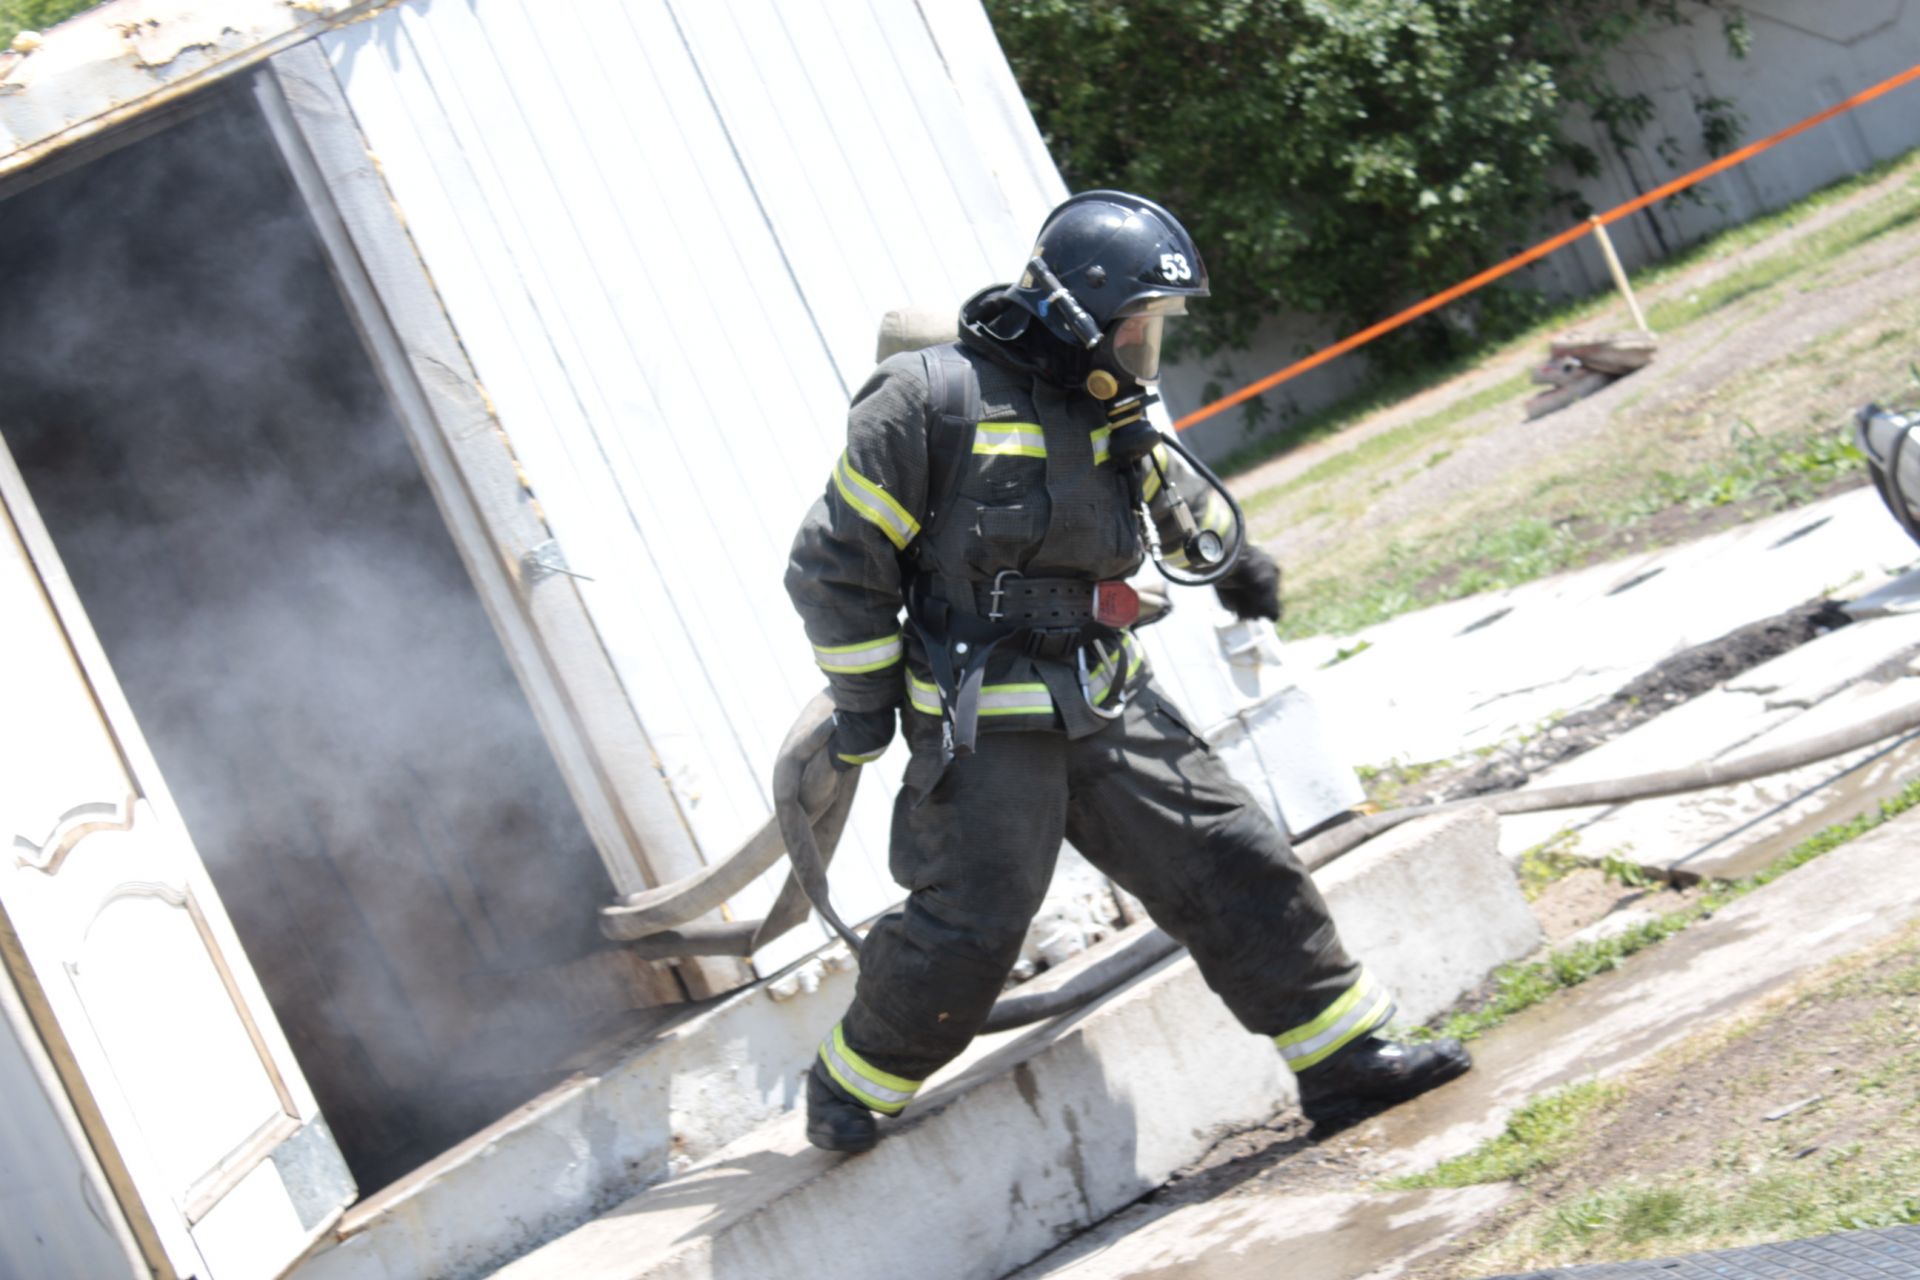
column 1146, row 801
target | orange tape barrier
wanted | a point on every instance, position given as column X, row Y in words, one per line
column 1542, row 249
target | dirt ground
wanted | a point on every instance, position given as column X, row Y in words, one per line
column 1797, row 1122
column 1790, row 345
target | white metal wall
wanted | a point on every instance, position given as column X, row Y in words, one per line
column 666, row 232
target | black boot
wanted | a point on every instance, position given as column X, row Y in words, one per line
column 835, row 1122
column 1372, row 1074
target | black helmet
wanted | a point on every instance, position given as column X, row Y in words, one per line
column 1107, row 256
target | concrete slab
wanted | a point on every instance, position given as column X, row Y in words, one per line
column 1067, row 1123
column 1734, row 831
column 1715, row 972
column 1327, row 1235
column 1823, row 666
column 1472, row 672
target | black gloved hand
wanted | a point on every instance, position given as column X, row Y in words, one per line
column 1251, row 588
column 859, row 737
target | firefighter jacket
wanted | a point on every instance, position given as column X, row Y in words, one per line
column 1039, row 507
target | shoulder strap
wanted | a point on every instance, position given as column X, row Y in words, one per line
column 953, row 414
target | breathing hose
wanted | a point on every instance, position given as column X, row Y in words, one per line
column 1219, row 571
column 1152, row 946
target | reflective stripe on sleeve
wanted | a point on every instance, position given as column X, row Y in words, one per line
column 1364, row 1007
column 1010, row 439
column 884, row 1092
column 853, row 659
column 868, row 758
column 874, row 504
column 1100, row 438
column 923, row 695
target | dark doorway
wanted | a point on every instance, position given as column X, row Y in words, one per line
column 222, row 474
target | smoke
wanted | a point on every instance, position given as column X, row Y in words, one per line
column 252, row 539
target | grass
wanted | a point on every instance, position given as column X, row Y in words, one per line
column 1698, row 1152
column 1521, row 986
column 35, row 15
column 1549, row 862
column 1393, row 444
column 1673, row 459
column 1678, row 1215
column 1539, row 1135
column 1393, row 388
column 1772, row 472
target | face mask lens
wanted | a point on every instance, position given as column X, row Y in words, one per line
column 1136, row 346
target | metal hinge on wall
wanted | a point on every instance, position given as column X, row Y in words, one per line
column 545, row 560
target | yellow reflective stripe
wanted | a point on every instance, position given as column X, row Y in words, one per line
column 1100, row 438
column 1015, row 700
column 874, row 504
column 1100, row 679
column 1362, row 1008
column 1010, row 439
column 868, row 758
column 880, row 1090
column 1152, row 485
column 923, row 695
column 995, row 699
column 1217, row 516
column 853, row 659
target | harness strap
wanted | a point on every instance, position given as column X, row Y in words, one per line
column 953, row 417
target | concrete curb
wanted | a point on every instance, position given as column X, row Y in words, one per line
column 1069, row 1122
column 1716, row 972
column 626, row 1122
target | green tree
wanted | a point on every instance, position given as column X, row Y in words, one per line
column 35, row 15
column 1343, row 157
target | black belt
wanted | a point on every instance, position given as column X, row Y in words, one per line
column 1035, row 602
column 1040, row 617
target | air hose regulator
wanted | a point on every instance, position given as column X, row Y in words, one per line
column 1133, row 443
column 1132, row 439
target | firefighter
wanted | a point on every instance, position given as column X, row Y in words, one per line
column 1027, row 706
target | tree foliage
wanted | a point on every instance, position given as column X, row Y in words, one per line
column 1342, row 157
column 35, row 15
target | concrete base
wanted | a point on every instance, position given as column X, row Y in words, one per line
column 628, row 1120
column 1064, row 1125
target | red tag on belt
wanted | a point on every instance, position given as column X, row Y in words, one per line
column 1115, row 604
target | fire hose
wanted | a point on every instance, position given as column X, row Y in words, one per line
column 811, row 801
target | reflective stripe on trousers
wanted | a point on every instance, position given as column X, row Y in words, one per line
column 1363, row 1007
column 1032, row 699
column 880, row 1090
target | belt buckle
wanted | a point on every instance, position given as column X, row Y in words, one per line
column 999, row 593
column 1115, row 604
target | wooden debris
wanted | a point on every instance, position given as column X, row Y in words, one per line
column 1578, row 365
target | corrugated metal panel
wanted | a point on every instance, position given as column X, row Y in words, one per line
column 666, row 234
